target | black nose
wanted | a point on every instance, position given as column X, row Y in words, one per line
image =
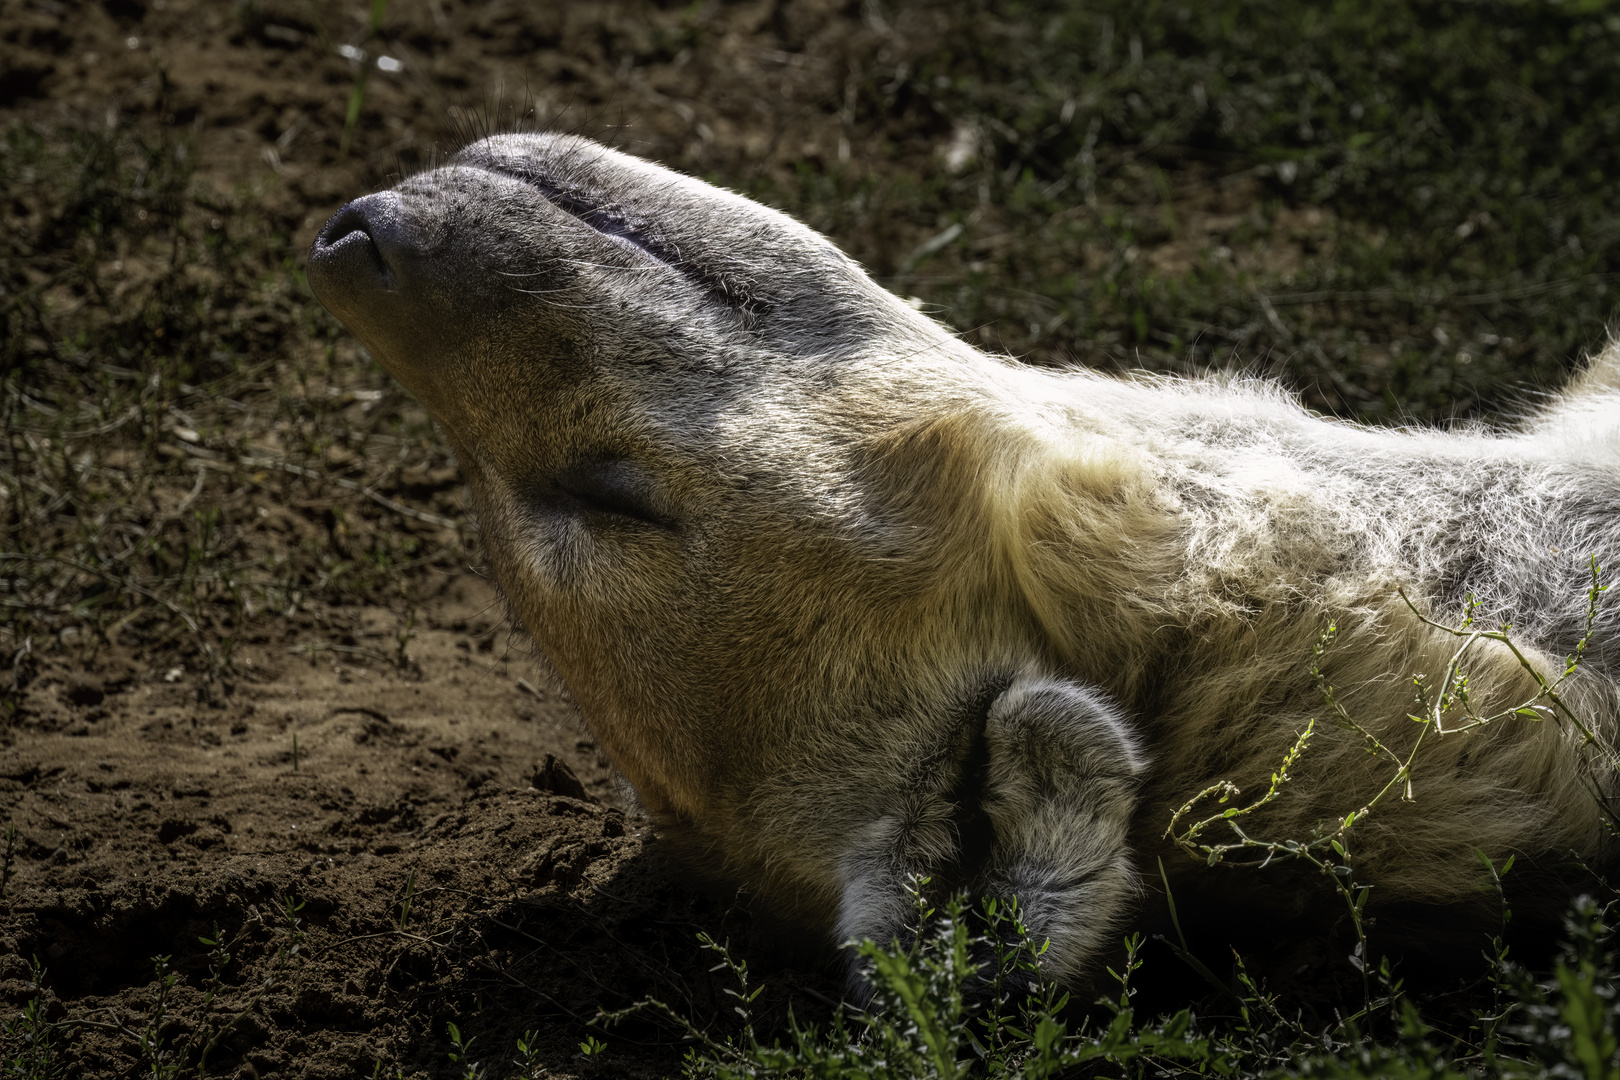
column 356, row 253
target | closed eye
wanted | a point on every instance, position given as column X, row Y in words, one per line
column 615, row 489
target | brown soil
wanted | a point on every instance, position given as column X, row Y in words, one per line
column 382, row 812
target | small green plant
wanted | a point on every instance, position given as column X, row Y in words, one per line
column 528, row 1060
column 1571, row 1026
column 964, row 996
column 937, row 1011
column 460, row 1050
column 1448, row 710
column 292, row 924
column 405, row 904
column 166, row 1043
column 157, row 1056
column 219, row 962
column 29, row 1038
column 363, row 64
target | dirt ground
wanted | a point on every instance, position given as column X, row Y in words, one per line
column 377, row 820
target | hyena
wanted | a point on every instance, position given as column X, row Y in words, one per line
column 848, row 601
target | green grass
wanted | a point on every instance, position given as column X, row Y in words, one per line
column 1403, row 209
column 190, row 443
column 171, row 1038
column 939, row 1015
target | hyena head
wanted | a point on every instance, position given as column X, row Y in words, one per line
column 651, row 384
column 724, row 480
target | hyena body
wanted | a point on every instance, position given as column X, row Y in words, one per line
column 848, row 601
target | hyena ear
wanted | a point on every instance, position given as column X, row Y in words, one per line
column 1043, row 729
column 1060, row 768
column 1061, row 788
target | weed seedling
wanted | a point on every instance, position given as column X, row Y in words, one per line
column 363, row 65
column 528, row 1047
column 159, row 1059
column 29, row 1039
column 459, row 1049
column 1446, row 711
column 405, row 904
